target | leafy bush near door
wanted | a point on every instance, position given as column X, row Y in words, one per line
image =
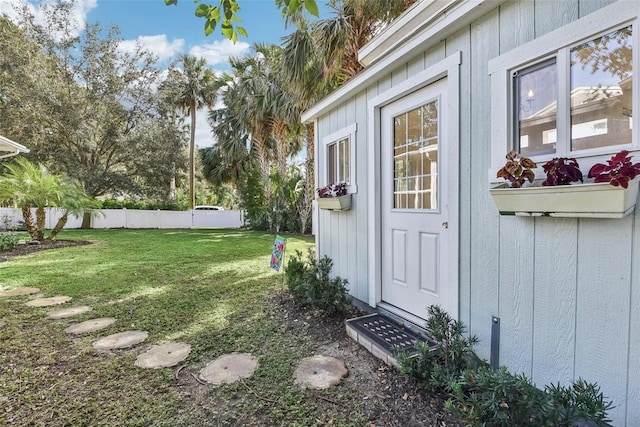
column 484, row 397
column 437, row 365
column 310, row 282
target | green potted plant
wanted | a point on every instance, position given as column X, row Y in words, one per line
column 334, row 197
column 612, row 193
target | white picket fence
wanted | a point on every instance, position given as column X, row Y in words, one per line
column 130, row 218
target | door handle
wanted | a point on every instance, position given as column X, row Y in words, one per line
column 445, row 225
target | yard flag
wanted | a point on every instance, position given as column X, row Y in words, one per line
column 278, row 252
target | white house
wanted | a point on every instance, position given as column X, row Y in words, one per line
column 9, row 148
column 448, row 89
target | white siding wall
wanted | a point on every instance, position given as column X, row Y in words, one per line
column 567, row 290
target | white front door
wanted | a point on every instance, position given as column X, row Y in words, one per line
column 415, row 229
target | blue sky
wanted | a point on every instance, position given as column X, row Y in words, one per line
column 169, row 31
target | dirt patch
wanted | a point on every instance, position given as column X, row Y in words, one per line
column 385, row 396
column 31, row 247
column 390, row 397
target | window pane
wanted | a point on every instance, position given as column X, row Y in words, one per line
column 601, row 104
column 332, row 158
column 535, row 107
column 343, row 160
column 416, row 158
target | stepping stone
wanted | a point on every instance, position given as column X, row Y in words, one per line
column 68, row 312
column 320, row 372
column 120, row 340
column 18, row 292
column 229, row 368
column 90, row 325
column 46, row 302
column 163, row 356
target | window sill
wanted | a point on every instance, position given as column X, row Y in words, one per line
column 594, row 200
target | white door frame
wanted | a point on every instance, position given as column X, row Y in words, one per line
column 448, row 67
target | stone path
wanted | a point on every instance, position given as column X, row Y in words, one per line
column 316, row 372
column 46, row 302
column 229, row 368
column 68, row 312
column 163, row 356
column 320, row 372
column 124, row 339
column 18, row 292
column 90, row 325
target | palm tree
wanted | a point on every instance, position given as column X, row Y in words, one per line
column 319, row 57
column 196, row 89
column 73, row 201
column 260, row 118
column 31, row 185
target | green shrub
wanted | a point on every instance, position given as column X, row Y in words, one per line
column 484, row 397
column 437, row 363
column 581, row 400
column 311, row 283
column 8, row 240
column 295, row 274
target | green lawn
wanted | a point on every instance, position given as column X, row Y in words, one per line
column 209, row 288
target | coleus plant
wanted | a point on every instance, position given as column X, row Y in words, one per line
column 618, row 171
column 332, row 190
column 517, row 170
column 562, row 171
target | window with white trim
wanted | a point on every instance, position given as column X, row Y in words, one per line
column 574, row 97
column 339, row 163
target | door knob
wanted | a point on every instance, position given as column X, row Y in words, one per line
column 445, row 225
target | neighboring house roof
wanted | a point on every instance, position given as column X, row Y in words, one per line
column 12, row 147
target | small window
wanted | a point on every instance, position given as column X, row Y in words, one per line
column 535, row 100
column 339, row 161
column 569, row 93
column 601, row 86
column 598, row 96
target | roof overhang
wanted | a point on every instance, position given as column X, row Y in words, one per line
column 12, row 147
column 448, row 17
column 411, row 22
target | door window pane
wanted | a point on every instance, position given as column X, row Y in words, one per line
column 416, row 158
column 535, row 107
column 601, row 103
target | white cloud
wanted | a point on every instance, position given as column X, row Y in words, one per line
column 219, row 51
column 204, row 138
column 157, row 45
column 79, row 12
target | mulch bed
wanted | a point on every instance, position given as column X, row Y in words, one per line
column 31, row 247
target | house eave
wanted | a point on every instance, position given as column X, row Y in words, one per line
column 451, row 21
column 12, row 147
column 411, row 22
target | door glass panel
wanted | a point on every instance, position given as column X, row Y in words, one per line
column 601, row 103
column 416, row 140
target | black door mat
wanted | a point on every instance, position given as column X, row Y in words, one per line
column 386, row 334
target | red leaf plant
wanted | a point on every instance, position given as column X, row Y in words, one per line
column 516, row 170
column 332, row 190
column 562, row 171
column 618, row 171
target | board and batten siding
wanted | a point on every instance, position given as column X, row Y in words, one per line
column 567, row 291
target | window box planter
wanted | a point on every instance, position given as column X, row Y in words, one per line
column 595, row 200
column 340, row 203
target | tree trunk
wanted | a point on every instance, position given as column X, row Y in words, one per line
column 192, row 157
column 86, row 221
column 28, row 221
column 40, row 222
column 59, row 226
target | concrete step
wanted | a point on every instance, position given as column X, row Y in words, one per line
column 380, row 334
